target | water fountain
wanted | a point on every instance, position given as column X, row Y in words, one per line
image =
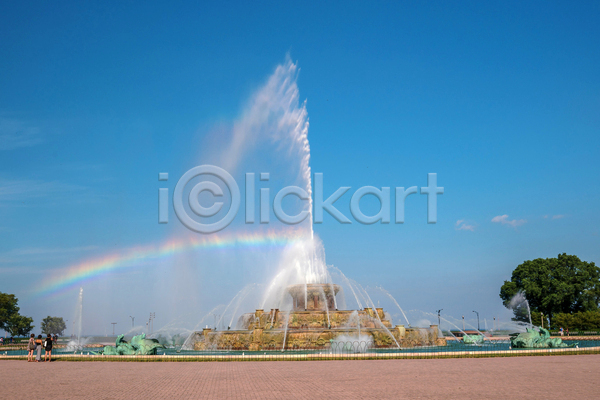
column 77, row 342
column 302, row 298
column 313, row 322
column 79, row 315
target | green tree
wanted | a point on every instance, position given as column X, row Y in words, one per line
column 584, row 321
column 53, row 325
column 564, row 284
column 8, row 308
column 19, row 325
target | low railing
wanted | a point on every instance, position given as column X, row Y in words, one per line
column 348, row 350
column 576, row 333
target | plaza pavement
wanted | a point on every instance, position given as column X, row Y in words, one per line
column 549, row 377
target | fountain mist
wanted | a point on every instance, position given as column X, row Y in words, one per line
column 518, row 300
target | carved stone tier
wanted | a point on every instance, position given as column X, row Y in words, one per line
column 317, row 296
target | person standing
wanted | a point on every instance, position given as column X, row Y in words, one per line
column 38, row 348
column 48, row 348
column 30, row 348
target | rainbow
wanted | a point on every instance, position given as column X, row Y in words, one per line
column 77, row 274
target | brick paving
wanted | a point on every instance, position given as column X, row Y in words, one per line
column 551, row 377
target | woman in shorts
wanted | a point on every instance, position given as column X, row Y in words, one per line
column 48, row 348
column 30, row 348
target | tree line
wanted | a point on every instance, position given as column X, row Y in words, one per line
column 18, row 325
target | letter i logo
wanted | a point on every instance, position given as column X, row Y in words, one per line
column 163, row 200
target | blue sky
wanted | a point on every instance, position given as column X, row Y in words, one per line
column 502, row 101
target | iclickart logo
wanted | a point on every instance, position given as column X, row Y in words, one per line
column 180, row 200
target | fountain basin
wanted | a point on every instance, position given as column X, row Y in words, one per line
column 310, row 330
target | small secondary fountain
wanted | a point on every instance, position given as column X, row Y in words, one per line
column 520, row 300
column 78, row 342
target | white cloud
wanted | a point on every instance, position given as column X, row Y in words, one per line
column 16, row 134
column 21, row 191
column 558, row 216
column 461, row 225
column 503, row 219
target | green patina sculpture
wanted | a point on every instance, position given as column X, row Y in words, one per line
column 139, row 345
column 534, row 339
column 473, row 339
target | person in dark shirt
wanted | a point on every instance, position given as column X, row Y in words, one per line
column 48, row 348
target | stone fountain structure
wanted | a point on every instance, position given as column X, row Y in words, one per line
column 313, row 322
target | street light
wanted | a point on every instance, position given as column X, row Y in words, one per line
column 463, row 322
column 477, row 319
column 542, row 317
column 132, row 318
column 151, row 321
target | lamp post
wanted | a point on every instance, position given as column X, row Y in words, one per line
column 463, row 322
column 152, row 316
column 132, row 318
column 477, row 319
column 542, row 318
column 438, row 313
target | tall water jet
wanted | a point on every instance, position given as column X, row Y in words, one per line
column 275, row 118
column 77, row 342
column 79, row 315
